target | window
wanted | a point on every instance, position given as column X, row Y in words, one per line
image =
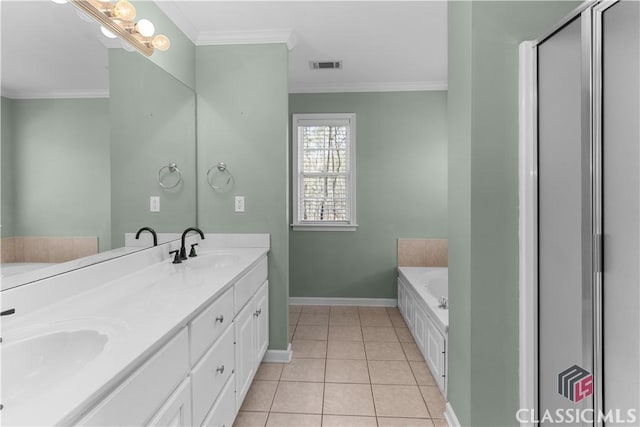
column 324, row 172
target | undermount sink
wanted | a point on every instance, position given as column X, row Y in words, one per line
column 38, row 357
column 213, row 260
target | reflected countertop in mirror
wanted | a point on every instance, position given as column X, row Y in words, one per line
column 86, row 126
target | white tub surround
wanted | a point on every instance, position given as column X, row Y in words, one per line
column 419, row 292
column 138, row 340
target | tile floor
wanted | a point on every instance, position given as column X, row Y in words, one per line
column 352, row 366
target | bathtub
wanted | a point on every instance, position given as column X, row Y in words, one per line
column 420, row 291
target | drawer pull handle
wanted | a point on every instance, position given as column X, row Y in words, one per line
column 220, row 369
column 220, row 319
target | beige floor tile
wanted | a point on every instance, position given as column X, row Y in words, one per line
column 375, row 320
column 292, row 329
column 372, row 333
column 399, row 401
column 346, row 319
column 250, row 419
column 298, row 397
column 434, row 399
column 277, row 419
column 384, row 351
column 309, row 349
column 404, row 422
column 316, row 309
column 348, row 421
column 269, row 371
column 393, row 310
column 404, row 335
column 347, row 371
column 309, row 370
column 310, row 332
column 440, row 422
column 314, row 319
column 345, row 350
column 372, row 310
column 260, row 396
column 412, row 351
column 398, row 321
column 345, row 333
column 344, row 309
column 348, row 399
column 422, row 373
column 293, row 318
column 391, row 372
column 295, row 309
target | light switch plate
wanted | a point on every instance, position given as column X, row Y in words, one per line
column 239, row 204
column 154, row 203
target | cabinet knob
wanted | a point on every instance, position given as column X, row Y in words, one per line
column 220, row 319
column 220, row 369
column 258, row 312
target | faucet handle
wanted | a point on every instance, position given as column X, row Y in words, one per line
column 193, row 253
column 176, row 258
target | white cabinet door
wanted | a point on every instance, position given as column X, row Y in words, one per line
column 262, row 322
column 176, row 412
column 419, row 329
column 245, row 351
column 436, row 354
column 224, row 410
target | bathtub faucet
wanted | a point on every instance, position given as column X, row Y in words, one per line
column 444, row 303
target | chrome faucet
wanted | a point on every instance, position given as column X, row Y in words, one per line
column 183, row 249
column 444, row 303
column 150, row 230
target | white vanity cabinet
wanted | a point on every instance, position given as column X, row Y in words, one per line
column 202, row 374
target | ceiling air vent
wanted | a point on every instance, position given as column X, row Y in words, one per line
column 325, row 65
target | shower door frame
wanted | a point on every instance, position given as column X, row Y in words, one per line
column 590, row 14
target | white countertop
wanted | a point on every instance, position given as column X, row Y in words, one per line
column 133, row 315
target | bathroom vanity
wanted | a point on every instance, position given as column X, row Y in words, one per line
column 139, row 340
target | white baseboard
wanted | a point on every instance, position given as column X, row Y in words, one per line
column 278, row 356
column 369, row 302
column 450, row 416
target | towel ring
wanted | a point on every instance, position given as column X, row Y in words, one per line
column 171, row 168
column 221, row 168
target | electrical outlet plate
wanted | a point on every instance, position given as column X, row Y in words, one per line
column 154, row 204
column 239, row 205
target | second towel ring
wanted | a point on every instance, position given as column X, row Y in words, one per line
column 171, row 168
column 222, row 168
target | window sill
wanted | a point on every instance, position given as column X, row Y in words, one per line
column 324, row 227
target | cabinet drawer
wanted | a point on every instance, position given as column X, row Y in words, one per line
column 224, row 411
column 177, row 410
column 249, row 284
column 140, row 396
column 211, row 374
column 209, row 325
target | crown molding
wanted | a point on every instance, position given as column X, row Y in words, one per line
column 175, row 14
column 370, row 87
column 213, row 38
column 69, row 94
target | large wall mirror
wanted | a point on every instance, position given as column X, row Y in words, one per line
column 86, row 127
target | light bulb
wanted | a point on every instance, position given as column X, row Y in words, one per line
column 107, row 33
column 145, row 28
column 124, row 10
column 161, row 42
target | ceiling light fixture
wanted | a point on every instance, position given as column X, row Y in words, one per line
column 118, row 19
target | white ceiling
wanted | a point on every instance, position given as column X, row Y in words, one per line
column 48, row 51
column 384, row 45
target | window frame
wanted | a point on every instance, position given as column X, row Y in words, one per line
column 296, row 173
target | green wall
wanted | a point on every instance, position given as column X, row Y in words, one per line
column 153, row 122
column 6, row 157
column 58, row 174
column 242, row 120
column 483, row 193
column 401, row 191
column 180, row 59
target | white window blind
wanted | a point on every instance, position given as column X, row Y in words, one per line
column 324, row 171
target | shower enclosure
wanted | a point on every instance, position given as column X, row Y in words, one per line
column 581, row 191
